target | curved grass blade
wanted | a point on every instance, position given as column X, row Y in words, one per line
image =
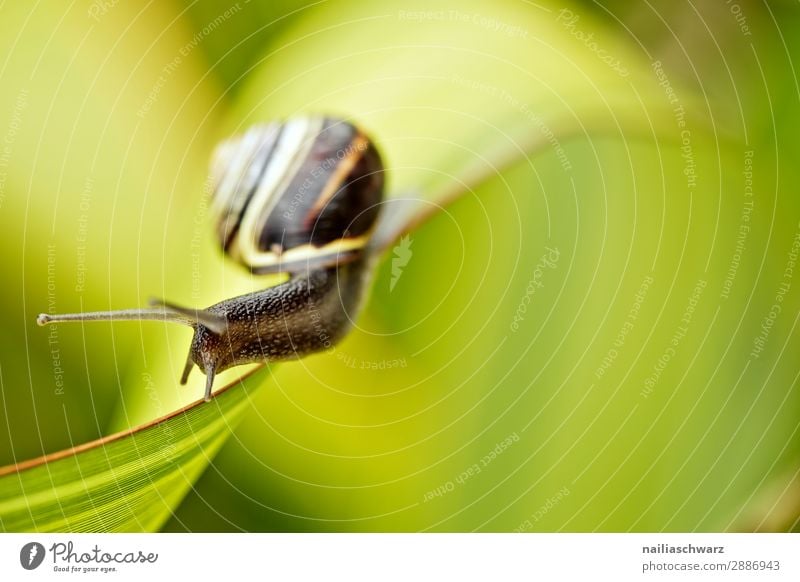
column 129, row 481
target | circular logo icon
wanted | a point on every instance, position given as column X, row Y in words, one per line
column 31, row 555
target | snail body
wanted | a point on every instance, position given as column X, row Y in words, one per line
column 299, row 197
column 306, row 314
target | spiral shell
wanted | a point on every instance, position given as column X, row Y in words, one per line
column 298, row 194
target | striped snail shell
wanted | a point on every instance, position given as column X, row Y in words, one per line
column 296, row 194
column 299, row 197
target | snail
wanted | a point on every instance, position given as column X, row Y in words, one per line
column 299, row 197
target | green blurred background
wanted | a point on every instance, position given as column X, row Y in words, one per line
column 584, row 341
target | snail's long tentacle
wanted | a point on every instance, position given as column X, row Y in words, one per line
column 160, row 314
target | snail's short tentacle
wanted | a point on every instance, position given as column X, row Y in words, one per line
column 187, row 369
column 209, row 382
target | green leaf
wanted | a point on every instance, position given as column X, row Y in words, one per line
column 129, row 481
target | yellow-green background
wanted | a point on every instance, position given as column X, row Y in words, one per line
column 103, row 142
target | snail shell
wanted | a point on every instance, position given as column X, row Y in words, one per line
column 296, row 194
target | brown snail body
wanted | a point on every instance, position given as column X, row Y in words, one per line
column 299, row 197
